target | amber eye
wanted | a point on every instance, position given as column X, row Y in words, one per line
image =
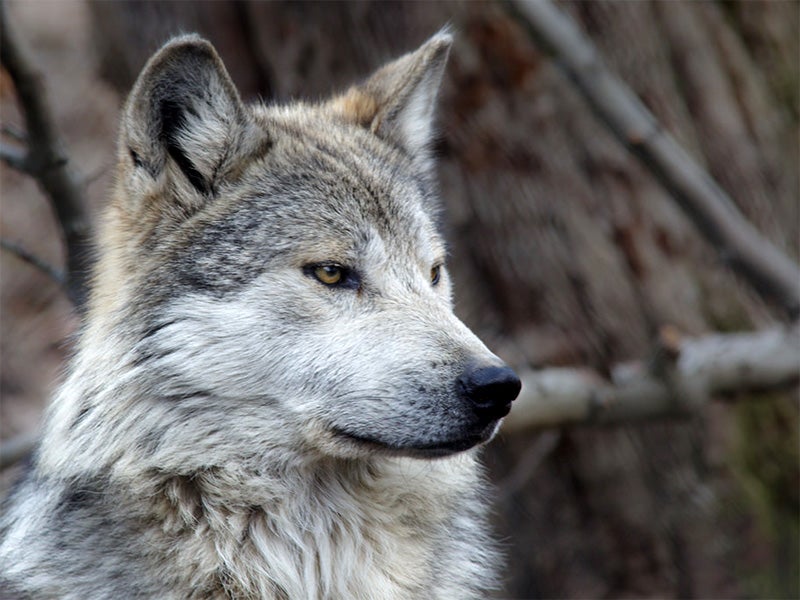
column 334, row 275
column 436, row 274
column 329, row 274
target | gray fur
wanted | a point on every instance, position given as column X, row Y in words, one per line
column 231, row 427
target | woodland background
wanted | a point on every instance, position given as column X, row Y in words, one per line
column 564, row 249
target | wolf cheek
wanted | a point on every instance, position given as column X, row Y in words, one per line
column 430, row 388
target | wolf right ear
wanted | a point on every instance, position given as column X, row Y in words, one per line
column 398, row 102
column 184, row 110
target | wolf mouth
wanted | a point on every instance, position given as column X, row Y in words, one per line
column 422, row 450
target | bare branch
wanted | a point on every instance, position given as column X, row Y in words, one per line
column 768, row 270
column 46, row 160
column 703, row 368
column 34, row 260
column 91, row 178
column 14, row 132
column 15, row 157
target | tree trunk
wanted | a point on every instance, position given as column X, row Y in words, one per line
column 566, row 252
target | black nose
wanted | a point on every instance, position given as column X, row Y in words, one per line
column 490, row 390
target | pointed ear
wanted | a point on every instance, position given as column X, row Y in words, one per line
column 398, row 102
column 184, row 116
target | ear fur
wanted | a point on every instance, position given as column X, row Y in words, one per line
column 184, row 108
column 397, row 103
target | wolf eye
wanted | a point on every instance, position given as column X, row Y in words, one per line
column 333, row 275
column 436, row 274
column 329, row 274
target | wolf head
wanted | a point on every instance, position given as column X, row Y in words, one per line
column 283, row 263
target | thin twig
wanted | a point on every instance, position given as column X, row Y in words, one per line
column 30, row 258
column 769, row 271
column 46, row 160
column 14, row 132
column 91, row 178
column 17, row 448
column 15, row 157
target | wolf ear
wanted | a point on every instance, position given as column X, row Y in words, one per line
column 184, row 111
column 398, row 102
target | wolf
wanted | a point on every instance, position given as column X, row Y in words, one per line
column 271, row 397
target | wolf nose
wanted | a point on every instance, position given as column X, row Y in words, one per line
column 490, row 390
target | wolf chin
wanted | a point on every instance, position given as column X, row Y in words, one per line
column 271, row 397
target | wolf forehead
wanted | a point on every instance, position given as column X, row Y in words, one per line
column 324, row 176
column 319, row 194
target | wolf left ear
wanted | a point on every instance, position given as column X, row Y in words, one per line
column 398, row 102
column 184, row 111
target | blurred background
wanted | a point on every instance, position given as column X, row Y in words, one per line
column 565, row 251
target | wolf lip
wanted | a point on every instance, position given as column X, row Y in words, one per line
column 425, row 450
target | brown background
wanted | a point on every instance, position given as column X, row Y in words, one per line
column 564, row 251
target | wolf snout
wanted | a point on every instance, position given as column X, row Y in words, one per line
column 490, row 390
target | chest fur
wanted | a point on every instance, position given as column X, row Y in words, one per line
column 327, row 541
